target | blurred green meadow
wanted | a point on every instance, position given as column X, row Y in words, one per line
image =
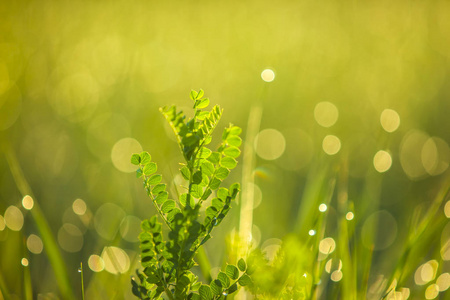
column 345, row 110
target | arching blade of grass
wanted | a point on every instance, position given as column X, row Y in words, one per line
column 50, row 245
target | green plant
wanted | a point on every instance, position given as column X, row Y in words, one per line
column 167, row 260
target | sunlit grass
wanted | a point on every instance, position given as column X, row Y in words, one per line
column 345, row 114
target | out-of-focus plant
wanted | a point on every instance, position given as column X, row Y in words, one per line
column 167, row 260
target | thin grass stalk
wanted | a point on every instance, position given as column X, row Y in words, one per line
column 315, row 181
column 50, row 245
column 82, row 280
column 247, row 196
column 27, row 286
column 349, row 278
column 321, row 225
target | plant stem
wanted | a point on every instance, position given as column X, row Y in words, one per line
column 82, row 281
column 156, row 206
column 247, row 196
column 28, row 289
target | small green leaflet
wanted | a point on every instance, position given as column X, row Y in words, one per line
column 232, row 151
column 199, row 104
column 145, row 158
column 221, row 173
column 224, row 279
column 241, row 265
column 185, row 173
column 150, row 168
column 232, row 272
column 168, row 206
column 228, row 162
column 135, row 159
column 234, row 140
column 205, row 292
column 235, row 130
column 245, row 280
column 154, row 179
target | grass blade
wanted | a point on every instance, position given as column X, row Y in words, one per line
column 82, row 281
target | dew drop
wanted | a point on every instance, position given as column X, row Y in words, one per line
column 225, row 293
column 80, row 270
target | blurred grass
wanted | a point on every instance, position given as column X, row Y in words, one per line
column 78, row 77
column 51, row 247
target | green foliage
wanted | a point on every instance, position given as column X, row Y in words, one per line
column 167, row 260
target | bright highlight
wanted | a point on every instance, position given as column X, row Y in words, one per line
column 27, row 202
column 268, row 75
column 390, row 120
column 326, row 114
column 79, row 207
column 331, row 144
column 382, row 161
column 349, row 216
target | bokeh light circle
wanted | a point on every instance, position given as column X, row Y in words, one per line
column 130, row 228
column 268, row 75
column 349, row 216
column 383, row 227
column 382, row 161
column 24, row 262
column 116, row 260
column 121, row 154
column 447, row 209
column 79, row 207
column 435, row 156
column 70, row 238
column 270, row 144
column 326, row 114
column 2, row 223
column 432, row 291
column 107, row 220
column 327, row 245
column 13, row 218
column 331, row 144
column 390, row 120
column 336, row 275
column 27, row 202
column 96, row 263
column 34, row 244
column 411, row 154
column 443, row 282
column 445, row 243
